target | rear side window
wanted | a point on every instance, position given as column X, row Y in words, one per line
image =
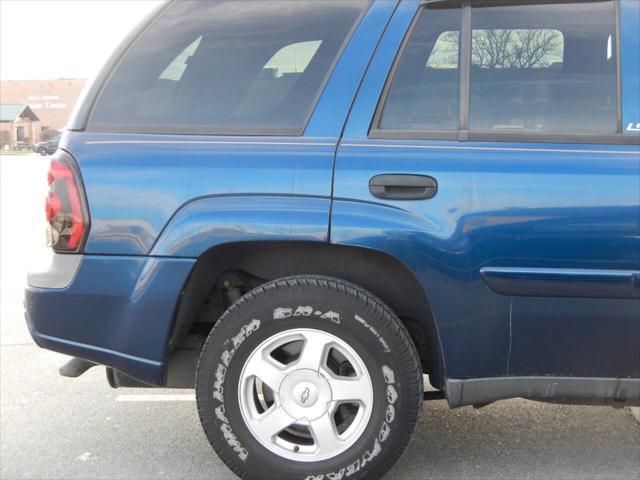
column 548, row 68
column 224, row 66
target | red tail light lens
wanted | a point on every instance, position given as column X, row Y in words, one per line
column 52, row 206
column 65, row 207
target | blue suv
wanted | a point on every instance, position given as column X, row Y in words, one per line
column 300, row 208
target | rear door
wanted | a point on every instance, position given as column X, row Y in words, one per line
column 492, row 160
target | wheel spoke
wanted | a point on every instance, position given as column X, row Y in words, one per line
column 267, row 372
column 344, row 389
column 314, row 351
column 325, row 434
column 272, row 422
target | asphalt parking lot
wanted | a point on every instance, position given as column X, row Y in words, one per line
column 58, row 428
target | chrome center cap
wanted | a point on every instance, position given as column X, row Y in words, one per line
column 305, row 394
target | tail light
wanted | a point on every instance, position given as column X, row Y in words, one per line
column 65, row 205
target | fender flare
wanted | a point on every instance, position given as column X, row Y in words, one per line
column 211, row 221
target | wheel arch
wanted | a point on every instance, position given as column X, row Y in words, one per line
column 380, row 273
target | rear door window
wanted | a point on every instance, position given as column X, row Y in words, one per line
column 224, row 66
column 544, row 68
column 531, row 68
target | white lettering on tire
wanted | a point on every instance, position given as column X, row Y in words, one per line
column 337, row 475
column 233, row 442
column 389, row 376
column 303, row 311
column 280, row 313
column 390, row 414
column 375, row 333
column 333, row 316
column 383, row 435
column 245, row 332
column 218, row 388
column 392, row 394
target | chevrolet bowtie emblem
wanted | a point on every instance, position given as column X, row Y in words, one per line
column 305, row 395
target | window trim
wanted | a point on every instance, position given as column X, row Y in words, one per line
column 229, row 130
column 616, row 9
column 463, row 133
column 464, row 69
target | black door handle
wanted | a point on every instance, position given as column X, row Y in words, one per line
column 403, row 187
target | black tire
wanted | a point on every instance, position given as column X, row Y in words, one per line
column 381, row 341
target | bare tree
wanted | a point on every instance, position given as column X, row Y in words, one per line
column 506, row 48
column 531, row 48
column 528, row 48
column 491, row 48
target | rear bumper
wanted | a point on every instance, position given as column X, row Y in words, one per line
column 116, row 311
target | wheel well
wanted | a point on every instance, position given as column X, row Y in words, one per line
column 224, row 273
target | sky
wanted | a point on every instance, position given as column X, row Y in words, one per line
column 48, row 39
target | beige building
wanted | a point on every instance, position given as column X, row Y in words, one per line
column 51, row 100
column 18, row 125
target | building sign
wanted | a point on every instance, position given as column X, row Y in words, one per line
column 38, row 102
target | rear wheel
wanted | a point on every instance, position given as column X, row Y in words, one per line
column 309, row 377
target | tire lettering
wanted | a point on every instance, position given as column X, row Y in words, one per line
column 333, row 316
column 389, row 376
column 233, row 442
column 368, row 456
column 218, row 388
column 383, row 435
column 221, row 414
column 337, row 475
column 245, row 332
column 280, row 313
column 303, row 311
column 384, row 432
column 385, row 345
column 353, row 468
column 390, row 414
column 392, row 394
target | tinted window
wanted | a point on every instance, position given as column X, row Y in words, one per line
column 539, row 68
column 544, row 68
column 425, row 90
column 228, row 66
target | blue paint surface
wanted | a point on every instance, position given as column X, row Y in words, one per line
column 118, row 311
column 158, row 202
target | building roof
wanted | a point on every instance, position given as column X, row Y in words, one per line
column 10, row 112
